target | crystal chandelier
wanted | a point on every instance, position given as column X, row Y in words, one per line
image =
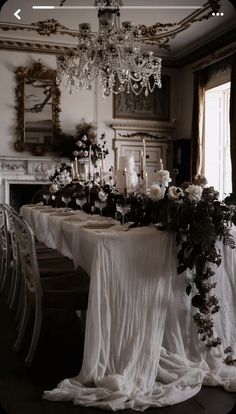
column 113, row 54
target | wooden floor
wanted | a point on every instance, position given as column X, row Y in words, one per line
column 59, row 355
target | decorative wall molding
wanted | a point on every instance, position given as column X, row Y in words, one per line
column 24, row 170
column 34, row 46
column 43, row 28
column 126, row 137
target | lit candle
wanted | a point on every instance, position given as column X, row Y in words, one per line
column 161, row 164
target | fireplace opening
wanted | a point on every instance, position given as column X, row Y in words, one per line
column 21, row 194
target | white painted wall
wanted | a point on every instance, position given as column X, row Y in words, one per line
column 75, row 107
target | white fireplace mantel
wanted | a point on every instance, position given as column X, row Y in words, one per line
column 24, row 170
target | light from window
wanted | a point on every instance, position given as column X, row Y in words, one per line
column 217, row 139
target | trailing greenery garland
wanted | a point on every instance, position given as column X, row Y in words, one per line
column 198, row 219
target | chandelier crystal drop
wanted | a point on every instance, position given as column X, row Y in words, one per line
column 113, row 54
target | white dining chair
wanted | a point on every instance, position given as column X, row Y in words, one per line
column 67, row 291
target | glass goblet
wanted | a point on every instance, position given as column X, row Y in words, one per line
column 66, row 200
column 80, row 202
column 46, row 197
column 123, row 209
column 100, row 205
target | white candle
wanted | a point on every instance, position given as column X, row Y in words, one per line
column 144, row 157
column 102, row 160
column 72, row 171
column 85, row 172
column 146, row 181
column 100, row 171
column 141, row 165
column 161, row 164
column 89, row 173
column 125, row 182
column 76, row 167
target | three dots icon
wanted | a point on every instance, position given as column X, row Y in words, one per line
column 217, row 14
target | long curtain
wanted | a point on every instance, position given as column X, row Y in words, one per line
column 232, row 120
column 200, row 80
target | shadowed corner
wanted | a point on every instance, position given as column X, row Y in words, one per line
column 234, row 5
column 2, row 2
column 233, row 411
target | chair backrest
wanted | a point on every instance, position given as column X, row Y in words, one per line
column 27, row 254
column 4, row 232
column 11, row 226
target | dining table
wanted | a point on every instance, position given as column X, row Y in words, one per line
column 142, row 348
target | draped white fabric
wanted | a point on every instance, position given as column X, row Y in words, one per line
column 141, row 345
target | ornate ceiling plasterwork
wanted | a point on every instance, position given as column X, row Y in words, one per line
column 158, row 34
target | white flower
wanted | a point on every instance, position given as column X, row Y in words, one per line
column 65, row 177
column 162, row 177
column 175, row 193
column 156, row 192
column 79, row 143
column 86, row 153
column 102, row 196
column 75, row 153
column 84, row 138
column 194, row 192
column 53, row 188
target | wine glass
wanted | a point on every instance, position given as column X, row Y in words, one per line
column 46, row 197
column 66, row 200
column 123, row 209
column 80, row 202
column 100, row 205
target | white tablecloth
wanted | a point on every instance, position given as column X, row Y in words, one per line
column 141, row 345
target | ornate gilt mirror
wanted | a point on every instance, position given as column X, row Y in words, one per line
column 38, row 107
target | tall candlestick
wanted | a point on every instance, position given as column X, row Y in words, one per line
column 89, row 172
column 101, row 173
column 125, row 182
column 102, row 160
column 76, row 167
column 146, row 181
column 72, row 170
column 141, row 165
column 144, row 157
column 161, row 164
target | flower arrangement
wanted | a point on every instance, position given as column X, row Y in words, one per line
column 81, row 143
column 198, row 218
column 60, row 177
column 194, row 212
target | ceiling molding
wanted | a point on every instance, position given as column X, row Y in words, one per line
column 33, row 46
column 224, row 44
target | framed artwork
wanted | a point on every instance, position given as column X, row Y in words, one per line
column 154, row 107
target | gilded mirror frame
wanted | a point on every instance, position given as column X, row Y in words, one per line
column 37, row 72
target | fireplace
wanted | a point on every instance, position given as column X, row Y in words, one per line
column 22, row 177
column 21, row 194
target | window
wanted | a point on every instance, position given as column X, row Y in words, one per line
column 217, row 161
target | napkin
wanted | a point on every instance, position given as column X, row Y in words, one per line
column 98, row 224
column 65, row 213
